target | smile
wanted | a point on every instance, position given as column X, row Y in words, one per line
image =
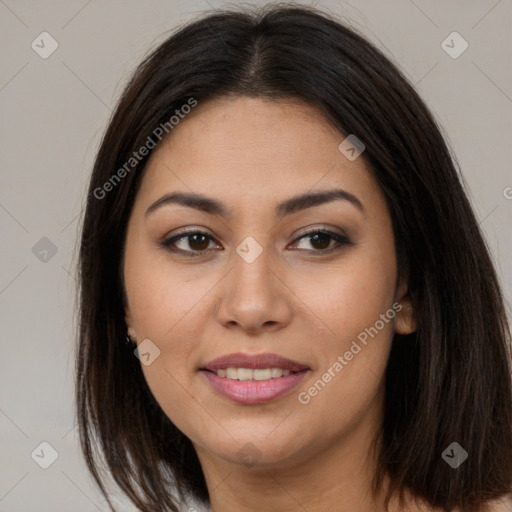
column 250, row 374
column 253, row 379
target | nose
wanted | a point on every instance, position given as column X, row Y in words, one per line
column 254, row 297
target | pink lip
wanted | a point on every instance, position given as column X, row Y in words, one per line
column 254, row 391
column 255, row 361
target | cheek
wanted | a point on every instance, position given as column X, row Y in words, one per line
column 166, row 308
column 161, row 303
column 160, row 292
column 356, row 306
column 350, row 295
column 171, row 314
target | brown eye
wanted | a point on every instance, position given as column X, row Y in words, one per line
column 321, row 240
column 197, row 241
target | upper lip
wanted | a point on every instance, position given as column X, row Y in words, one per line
column 254, row 361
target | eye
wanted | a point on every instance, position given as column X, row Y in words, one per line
column 321, row 240
column 199, row 241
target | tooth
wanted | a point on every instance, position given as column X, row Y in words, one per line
column 245, row 374
column 263, row 374
column 232, row 373
column 276, row 372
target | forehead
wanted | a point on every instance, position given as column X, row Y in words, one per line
column 245, row 148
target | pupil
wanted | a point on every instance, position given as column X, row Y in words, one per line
column 322, row 237
column 194, row 237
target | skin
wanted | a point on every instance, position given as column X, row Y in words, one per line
column 251, row 154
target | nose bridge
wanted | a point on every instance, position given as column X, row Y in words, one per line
column 251, row 270
column 253, row 296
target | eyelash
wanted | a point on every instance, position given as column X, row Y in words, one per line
column 340, row 239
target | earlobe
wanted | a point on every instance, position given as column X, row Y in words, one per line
column 405, row 322
column 129, row 324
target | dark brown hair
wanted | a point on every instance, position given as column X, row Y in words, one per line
column 449, row 381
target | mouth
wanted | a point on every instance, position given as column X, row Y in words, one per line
column 252, row 374
column 253, row 379
column 266, row 361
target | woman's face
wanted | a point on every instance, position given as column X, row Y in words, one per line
column 257, row 285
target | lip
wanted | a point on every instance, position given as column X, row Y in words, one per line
column 251, row 392
column 254, row 362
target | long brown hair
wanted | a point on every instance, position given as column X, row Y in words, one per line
column 450, row 381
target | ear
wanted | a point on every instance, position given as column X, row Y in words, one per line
column 129, row 321
column 405, row 322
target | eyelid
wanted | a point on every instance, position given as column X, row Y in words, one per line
column 188, row 231
column 169, row 239
column 322, row 228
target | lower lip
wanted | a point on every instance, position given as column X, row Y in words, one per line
column 254, row 391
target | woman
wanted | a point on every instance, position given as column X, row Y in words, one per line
column 312, row 318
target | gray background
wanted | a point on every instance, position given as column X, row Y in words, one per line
column 53, row 113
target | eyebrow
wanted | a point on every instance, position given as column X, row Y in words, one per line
column 291, row 205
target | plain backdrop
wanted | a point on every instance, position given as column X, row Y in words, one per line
column 53, row 112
